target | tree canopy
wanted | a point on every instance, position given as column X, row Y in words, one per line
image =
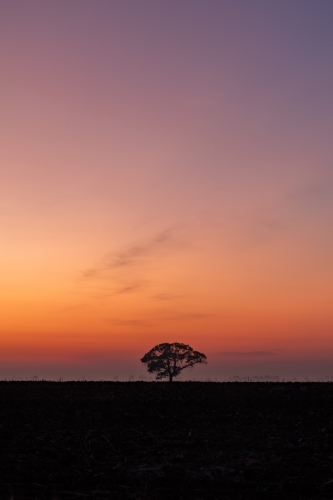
column 169, row 360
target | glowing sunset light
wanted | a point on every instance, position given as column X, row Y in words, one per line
column 166, row 176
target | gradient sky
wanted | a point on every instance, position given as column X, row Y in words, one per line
column 166, row 175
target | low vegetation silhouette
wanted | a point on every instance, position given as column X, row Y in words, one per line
column 169, row 360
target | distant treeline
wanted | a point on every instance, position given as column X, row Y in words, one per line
column 234, row 378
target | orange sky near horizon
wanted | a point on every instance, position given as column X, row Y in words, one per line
column 166, row 175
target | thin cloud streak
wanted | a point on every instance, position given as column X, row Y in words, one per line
column 97, row 292
column 156, row 319
column 312, row 191
column 187, row 316
column 131, row 322
column 167, row 296
column 129, row 271
column 132, row 257
column 271, row 352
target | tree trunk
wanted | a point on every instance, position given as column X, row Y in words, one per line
column 170, row 377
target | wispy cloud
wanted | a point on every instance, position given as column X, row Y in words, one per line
column 96, row 290
column 127, row 289
column 270, row 352
column 132, row 256
column 156, row 318
column 131, row 322
column 270, row 224
column 71, row 308
column 177, row 317
column 313, row 200
column 319, row 190
column 166, row 296
column 128, row 270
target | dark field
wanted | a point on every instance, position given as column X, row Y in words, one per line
column 103, row 440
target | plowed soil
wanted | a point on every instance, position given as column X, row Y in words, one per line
column 136, row 440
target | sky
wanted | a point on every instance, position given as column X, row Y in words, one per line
column 166, row 175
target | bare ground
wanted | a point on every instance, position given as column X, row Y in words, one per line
column 136, row 440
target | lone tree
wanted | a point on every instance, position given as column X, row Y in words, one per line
column 169, row 360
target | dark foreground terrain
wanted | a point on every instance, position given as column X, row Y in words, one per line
column 105, row 440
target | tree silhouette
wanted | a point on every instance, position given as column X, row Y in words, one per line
column 169, row 360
